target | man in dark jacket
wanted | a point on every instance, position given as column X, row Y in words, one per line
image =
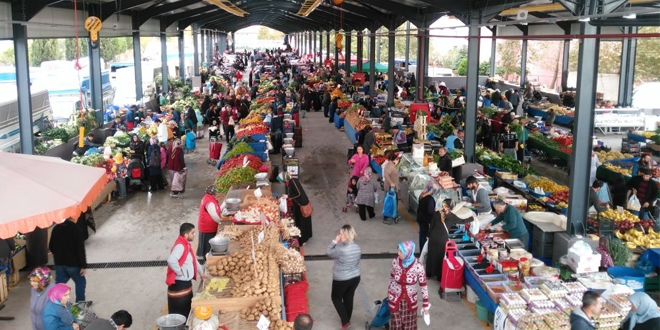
column 582, row 318
column 120, row 320
column 68, row 247
column 644, row 188
column 444, row 162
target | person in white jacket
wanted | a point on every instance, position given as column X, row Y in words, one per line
column 162, row 131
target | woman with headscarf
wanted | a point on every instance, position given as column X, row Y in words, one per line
column 402, row 292
column 57, row 313
column 644, row 313
column 449, row 216
column 296, row 193
column 190, row 115
column 41, row 281
column 208, row 220
column 155, row 165
column 425, row 212
column 136, row 148
column 390, row 178
column 175, row 164
column 366, row 198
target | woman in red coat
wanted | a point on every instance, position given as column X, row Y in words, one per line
column 176, row 165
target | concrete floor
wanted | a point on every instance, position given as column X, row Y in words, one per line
column 144, row 228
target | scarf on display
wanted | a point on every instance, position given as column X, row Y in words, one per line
column 407, row 248
column 646, row 309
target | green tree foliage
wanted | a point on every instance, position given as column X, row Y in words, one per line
column 7, row 57
column 609, row 57
column 70, row 48
column 111, row 47
column 42, row 50
column 453, row 57
column 508, row 56
column 265, row 33
column 484, row 68
column 647, row 64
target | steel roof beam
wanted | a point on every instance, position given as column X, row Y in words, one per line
column 410, row 13
column 188, row 14
column 184, row 23
column 113, row 7
column 146, row 14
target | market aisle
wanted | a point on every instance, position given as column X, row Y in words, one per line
column 324, row 176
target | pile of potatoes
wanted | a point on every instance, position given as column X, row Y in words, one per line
column 271, row 308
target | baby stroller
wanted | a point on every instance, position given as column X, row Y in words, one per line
column 381, row 316
column 215, row 149
column 135, row 172
column 191, row 144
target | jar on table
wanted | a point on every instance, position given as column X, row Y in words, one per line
column 525, row 266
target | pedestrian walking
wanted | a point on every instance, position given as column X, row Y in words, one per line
column 345, row 272
column 41, row 280
column 67, row 245
column 407, row 272
column 182, row 269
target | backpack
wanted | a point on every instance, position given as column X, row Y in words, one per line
column 154, row 158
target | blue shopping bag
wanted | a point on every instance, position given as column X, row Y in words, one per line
column 389, row 204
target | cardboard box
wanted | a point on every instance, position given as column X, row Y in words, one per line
column 579, row 259
column 584, row 267
column 506, row 175
column 19, row 260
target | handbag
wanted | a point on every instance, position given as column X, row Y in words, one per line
column 306, row 210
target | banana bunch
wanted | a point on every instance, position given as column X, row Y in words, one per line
column 648, row 134
column 635, row 238
column 338, row 40
column 618, row 169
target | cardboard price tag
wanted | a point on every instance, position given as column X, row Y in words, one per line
column 263, row 323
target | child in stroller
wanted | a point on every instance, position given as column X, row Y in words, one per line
column 351, row 192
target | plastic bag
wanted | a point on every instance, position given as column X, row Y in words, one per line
column 424, row 253
column 283, row 207
column 390, row 204
column 376, row 198
column 633, row 203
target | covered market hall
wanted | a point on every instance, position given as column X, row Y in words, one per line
column 127, row 256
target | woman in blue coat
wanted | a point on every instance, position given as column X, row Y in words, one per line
column 57, row 313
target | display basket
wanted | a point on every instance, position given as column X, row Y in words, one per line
column 85, row 315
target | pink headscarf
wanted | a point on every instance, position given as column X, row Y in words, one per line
column 58, row 291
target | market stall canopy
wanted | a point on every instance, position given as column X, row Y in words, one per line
column 39, row 190
column 366, row 67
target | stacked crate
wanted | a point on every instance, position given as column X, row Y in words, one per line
column 630, row 147
column 297, row 137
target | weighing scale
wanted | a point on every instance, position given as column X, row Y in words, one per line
column 291, row 165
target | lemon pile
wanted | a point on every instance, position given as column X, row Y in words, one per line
column 619, row 216
column 546, row 184
column 618, row 169
column 611, row 155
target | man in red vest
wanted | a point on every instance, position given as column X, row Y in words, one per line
column 182, row 269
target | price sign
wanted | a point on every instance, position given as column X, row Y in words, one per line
column 263, row 323
column 260, row 238
column 499, row 321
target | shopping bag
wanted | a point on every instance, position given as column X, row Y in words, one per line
column 179, row 181
column 283, row 207
column 633, row 203
column 376, row 198
column 424, row 253
column 452, row 268
column 389, row 204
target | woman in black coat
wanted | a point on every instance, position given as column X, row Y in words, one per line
column 296, row 193
column 439, row 235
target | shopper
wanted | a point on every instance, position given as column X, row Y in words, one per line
column 644, row 313
column 303, row 322
column 120, row 320
column 480, row 199
column 584, row 318
column 391, row 178
column 41, row 280
column 550, row 118
column 367, row 188
column 345, row 272
column 509, row 142
column 511, row 220
column 67, row 245
column 182, row 269
column 594, row 200
column 208, row 220
column 448, row 216
column 644, row 188
column 156, row 163
column 369, row 139
column 359, row 161
column 136, row 148
column 6, row 251
column 407, row 272
column 296, row 193
column 425, row 212
column 175, row 164
column 57, row 314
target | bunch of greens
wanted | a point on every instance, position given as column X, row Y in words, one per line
column 489, row 158
column 619, row 252
column 539, row 138
column 94, row 160
column 489, row 111
column 455, row 154
column 58, row 133
column 239, row 149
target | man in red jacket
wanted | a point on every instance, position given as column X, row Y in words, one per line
column 182, row 269
column 207, row 221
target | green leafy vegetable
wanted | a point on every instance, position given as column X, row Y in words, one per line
column 619, row 252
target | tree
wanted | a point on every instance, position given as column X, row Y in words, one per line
column 7, row 57
column 609, row 57
column 70, row 48
column 42, row 50
column 484, row 68
column 453, row 57
column 111, row 47
column 508, row 55
column 647, row 63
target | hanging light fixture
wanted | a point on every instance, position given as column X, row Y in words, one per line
column 229, row 7
column 308, row 7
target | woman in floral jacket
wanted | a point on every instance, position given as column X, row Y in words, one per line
column 406, row 273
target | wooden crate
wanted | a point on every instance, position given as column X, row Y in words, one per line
column 506, row 175
column 4, row 290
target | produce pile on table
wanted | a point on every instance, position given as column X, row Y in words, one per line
column 635, row 238
column 488, row 157
column 235, row 176
column 620, row 167
column 548, row 186
column 237, row 161
column 606, row 156
column 252, row 129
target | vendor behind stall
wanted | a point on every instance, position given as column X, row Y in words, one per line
column 594, row 200
column 444, row 161
column 512, row 221
column 644, row 188
column 480, row 200
column 399, row 137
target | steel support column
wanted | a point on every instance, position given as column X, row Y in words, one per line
column 378, row 46
column 222, row 43
column 626, row 75
column 407, row 57
column 182, row 57
column 202, row 52
column 195, row 50
column 233, row 43
column 472, row 87
column 327, row 45
column 314, row 47
column 209, row 46
column 137, row 64
column 422, row 60
column 309, row 42
column 523, row 62
column 163, row 59
column 347, row 57
column 23, row 93
column 336, row 60
column 372, row 62
column 580, row 162
column 564, row 64
column 391, row 38
column 320, row 48
column 360, row 50
column 95, row 83
column 493, row 53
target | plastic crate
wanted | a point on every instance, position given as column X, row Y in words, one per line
column 542, row 243
column 258, row 146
